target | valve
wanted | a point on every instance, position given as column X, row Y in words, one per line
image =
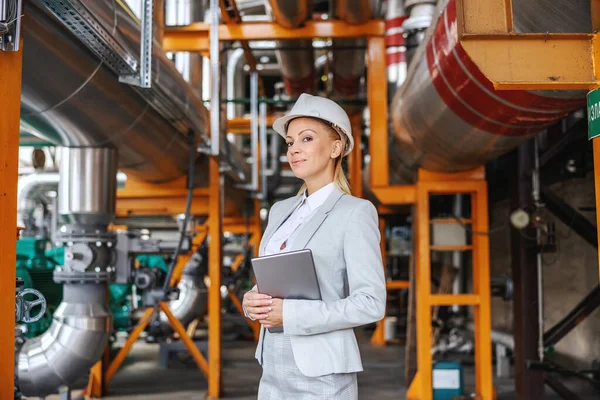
column 24, row 307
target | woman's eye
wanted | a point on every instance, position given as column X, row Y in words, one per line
column 306, row 139
column 289, row 144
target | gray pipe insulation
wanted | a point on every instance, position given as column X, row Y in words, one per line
column 72, row 345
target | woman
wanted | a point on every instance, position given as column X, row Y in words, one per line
column 317, row 356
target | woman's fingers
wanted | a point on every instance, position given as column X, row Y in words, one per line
column 258, row 310
column 258, row 316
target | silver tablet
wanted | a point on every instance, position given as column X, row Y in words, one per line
column 288, row 275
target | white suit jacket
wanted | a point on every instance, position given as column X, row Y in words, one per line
column 344, row 238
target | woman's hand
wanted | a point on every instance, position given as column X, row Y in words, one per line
column 257, row 304
column 275, row 315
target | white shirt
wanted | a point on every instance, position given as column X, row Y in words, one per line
column 288, row 231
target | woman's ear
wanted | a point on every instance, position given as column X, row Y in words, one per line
column 337, row 149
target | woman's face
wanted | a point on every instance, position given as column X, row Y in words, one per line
column 311, row 151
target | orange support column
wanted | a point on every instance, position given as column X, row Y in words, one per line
column 471, row 183
column 481, row 288
column 214, row 272
column 378, row 109
column 10, row 100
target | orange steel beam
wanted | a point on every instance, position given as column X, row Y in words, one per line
column 189, row 343
column 96, row 382
column 215, row 276
column 378, row 109
column 481, row 287
column 194, row 37
column 201, row 235
column 143, row 198
column 254, row 325
column 397, row 285
column 395, row 195
column 10, row 93
column 546, row 61
column 355, row 160
column 133, row 336
column 421, row 386
column 241, row 126
column 378, row 337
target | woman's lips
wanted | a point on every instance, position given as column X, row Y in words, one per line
column 297, row 162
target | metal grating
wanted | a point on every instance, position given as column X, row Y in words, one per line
column 83, row 24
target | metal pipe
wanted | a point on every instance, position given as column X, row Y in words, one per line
column 235, row 87
column 297, row 66
column 396, row 46
column 34, row 187
column 74, row 342
column 348, row 64
column 76, row 100
column 192, row 294
column 448, row 117
column 263, row 150
column 215, row 74
column 69, row 101
column 87, row 189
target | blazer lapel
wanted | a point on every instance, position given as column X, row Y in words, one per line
column 307, row 231
column 272, row 228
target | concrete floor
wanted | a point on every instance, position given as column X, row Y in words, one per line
column 383, row 378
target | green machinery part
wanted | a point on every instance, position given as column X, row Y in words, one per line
column 35, row 265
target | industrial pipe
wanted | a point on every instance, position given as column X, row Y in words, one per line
column 448, row 117
column 348, row 55
column 76, row 100
column 72, row 345
column 297, row 65
column 395, row 46
column 192, row 293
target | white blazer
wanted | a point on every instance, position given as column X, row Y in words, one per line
column 344, row 238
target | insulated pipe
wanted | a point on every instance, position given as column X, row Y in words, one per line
column 35, row 186
column 192, row 294
column 31, row 189
column 448, row 117
column 87, row 190
column 74, row 342
column 76, row 100
column 185, row 12
column 348, row 55
column 297, row 65
column 541, row 16
column 395, row 46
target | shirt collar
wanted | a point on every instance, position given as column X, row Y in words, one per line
column 317, row 199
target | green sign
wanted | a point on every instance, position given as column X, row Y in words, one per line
column 593, row 104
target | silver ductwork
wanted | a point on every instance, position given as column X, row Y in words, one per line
column 31, row 189
column 297, row 64
column 192, row 294
column 87, row 191
column 71, row 94
column 179, row 12
column 541, row 16
column 74, row 342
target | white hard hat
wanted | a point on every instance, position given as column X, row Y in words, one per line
column 321, row 108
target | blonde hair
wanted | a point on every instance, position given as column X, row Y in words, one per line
column 339, row 178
